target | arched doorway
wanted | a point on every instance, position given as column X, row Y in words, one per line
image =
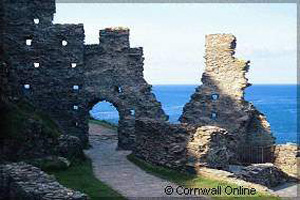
column 106, row 114
column 103, row 125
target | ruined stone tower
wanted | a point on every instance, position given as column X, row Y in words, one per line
column 49, row 65
column 219, row 101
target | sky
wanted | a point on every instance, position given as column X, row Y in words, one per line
column 173, row 36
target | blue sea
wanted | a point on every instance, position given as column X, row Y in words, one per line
column 277, row 102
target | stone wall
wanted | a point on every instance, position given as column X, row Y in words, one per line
column 49, row 65
column 287, row 158
column 114, row 72
column 38, row 63
column 219, row 101
column 181, row 147
column 23, row 181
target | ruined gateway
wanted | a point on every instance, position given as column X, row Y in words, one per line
column 66, row 81
column 49, row 65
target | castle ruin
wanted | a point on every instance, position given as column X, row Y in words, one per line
column 219, row 101
column 50, row 66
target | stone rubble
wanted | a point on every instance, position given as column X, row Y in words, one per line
column 287, row 158
column 264, row 174
column 209, row 147
column 24, row 181
column 69, row 147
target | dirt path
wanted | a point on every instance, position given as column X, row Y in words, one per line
column 290, row 190
column 113, row 168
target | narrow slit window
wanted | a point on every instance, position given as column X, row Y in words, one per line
column 36, row 21
column 27, row 86
column 132, row 112
column 214, row 96
column 75, row 87
column 75, row 107
column 203, row 106
column 64, row 43
column 36, row 65
column 213, row 115
column 118, row 89
column 73, row 65
column 28, row 42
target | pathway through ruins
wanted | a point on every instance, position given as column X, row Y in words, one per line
column 113, row 168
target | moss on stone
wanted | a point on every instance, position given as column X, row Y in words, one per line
column 15, row 119
column 26, row 132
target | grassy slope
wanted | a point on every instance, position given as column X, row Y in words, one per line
column 104, row 123
column 80, row 177
column 15, row 117
column 189, row 180
column 20, row 122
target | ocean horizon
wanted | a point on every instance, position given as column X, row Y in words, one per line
column 277, row 101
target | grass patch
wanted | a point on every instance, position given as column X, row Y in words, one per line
column 16, row 117
column 193, row 181
column 79, row 176
column 104, row 123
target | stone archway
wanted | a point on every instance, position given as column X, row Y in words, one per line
column 125, row 124
column 106, row 112
column 60, row 75
column 114, row 73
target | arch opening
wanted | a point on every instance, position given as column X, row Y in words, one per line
column 105, row 112
column 112, row 119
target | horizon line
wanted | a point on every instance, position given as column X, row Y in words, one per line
column 201, row 84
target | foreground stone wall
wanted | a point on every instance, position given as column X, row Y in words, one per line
column 286, row 157
column 181, row 147
column 219, row 101
column 23, row 181
column 204, row 151
column 49, row 65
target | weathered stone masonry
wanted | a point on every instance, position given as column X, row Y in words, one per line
column 218, row 126
column 181, row 146
column 50, row 65
column 114, row 72
column 219, row 101
column 286, row 157
column 23, row 181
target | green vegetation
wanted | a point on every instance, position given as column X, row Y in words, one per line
column 50, row 163
column 104, row 123
column 17, row 118
column 79, row 176
column 192, row 181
